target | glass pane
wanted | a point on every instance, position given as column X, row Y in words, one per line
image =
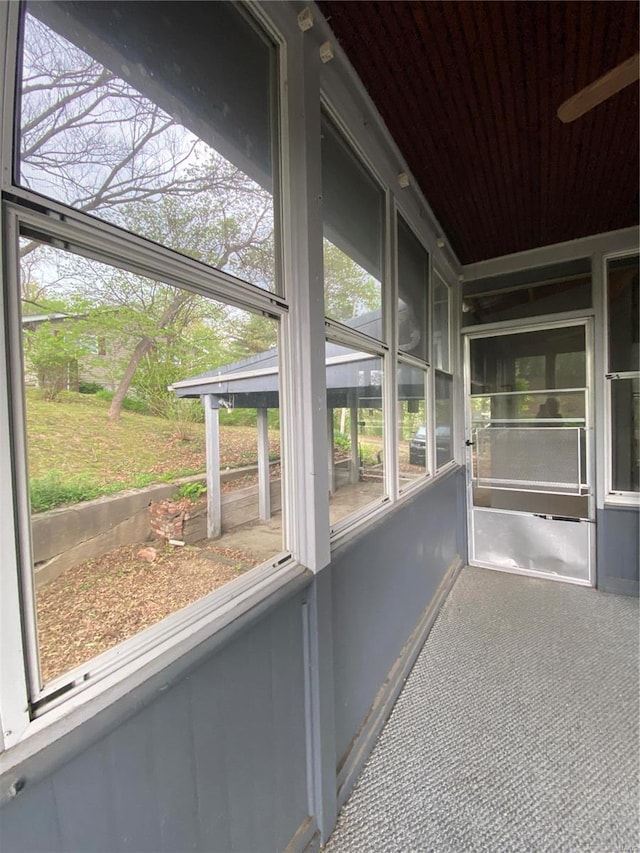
column 413, row 293
column 625, row 447
column 444, row 419
column 524, row 409
column 440, row 324
column 119, row 120
column 624, row 314
column 529, row 361
column 356, row 430
column 528, row 293
column 118, row 463
column 353, row 216
column 412, row 424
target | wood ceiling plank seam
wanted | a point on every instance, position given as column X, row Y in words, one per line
column 602, row 114
column 513, row 107
column 547, row 115
column 480, row 147
column 441, row 144
column 624, row 208
column 488, row 85
column 450, row 171
column 467, row 49
column 504, row 129
column 571, row 135
column 562, row 56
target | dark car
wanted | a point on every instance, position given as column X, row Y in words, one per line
column 418, row 447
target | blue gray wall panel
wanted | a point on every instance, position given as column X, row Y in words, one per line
column 381, row 585
column 618, row 532
column 218, row 763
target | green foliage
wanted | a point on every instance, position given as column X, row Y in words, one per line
column 130, row 404
column 349, row 290
column 86, row 387
column 52, row 351
column 192, row 491
column 341, row 441
column 369, row 455
column 53, row 490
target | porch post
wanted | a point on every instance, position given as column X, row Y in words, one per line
column 212, row 444
column 264, row 488
column 332, row 467
column 354, row 467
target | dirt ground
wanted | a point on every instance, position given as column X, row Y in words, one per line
column 99, row 603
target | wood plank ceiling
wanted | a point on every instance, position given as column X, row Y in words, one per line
column 470, row 90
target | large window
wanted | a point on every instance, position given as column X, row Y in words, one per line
column 353, row 224
column 353, row 218
column 159, row 121
column 623, row 310
column 414, row 438
column 146, row 372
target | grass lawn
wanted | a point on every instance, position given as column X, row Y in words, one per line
column 76, row 453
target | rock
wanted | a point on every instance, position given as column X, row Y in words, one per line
column 149, row 554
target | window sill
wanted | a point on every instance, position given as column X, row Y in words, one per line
column 52, row 739
column 622, row 502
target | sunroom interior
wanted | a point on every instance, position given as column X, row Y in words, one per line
column 347, row 247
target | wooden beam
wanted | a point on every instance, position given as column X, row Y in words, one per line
column 264, row 487
column 212, row 443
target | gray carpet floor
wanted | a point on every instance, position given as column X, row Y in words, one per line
column 517, row 729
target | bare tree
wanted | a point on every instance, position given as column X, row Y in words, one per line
column 90, row 140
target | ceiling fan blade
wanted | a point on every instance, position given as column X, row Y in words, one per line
column 601, row 89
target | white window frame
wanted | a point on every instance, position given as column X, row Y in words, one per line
column 419, row 480
column 157, row 646
column 305, row 83
column 613, row 496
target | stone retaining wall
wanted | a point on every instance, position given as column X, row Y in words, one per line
column 64, row 537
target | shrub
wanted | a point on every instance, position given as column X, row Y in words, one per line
column 52, row 490
column 129, row 403
column 89, row 387
column 192, row 491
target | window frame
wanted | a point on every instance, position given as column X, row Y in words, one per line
column 427, row 475
column 23, row 704
column 304, row 87
column 614, row 497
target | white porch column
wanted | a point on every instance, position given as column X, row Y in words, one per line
column 264, row 487
column 212, row 443
column 354, row 469
column 332, row 467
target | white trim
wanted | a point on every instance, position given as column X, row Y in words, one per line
column 14, row 717
column 607, row 495
column 102, row 241
column 565, row 318
column 624, row 241
column 338, row 333
column 302, row 386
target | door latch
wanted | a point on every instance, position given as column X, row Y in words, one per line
column 469, row 443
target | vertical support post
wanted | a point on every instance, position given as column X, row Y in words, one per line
column 354, row 469
column 330, row 455
column 264, row 487
column 212, row 443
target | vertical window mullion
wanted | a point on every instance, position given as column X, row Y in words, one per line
column 14, row 716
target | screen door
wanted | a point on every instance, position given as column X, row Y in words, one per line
column 529, row 446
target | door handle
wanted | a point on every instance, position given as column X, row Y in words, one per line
column 469, row 443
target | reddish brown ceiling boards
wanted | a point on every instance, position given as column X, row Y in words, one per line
column 469, row 91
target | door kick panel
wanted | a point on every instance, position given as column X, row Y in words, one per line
column 551, row 545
